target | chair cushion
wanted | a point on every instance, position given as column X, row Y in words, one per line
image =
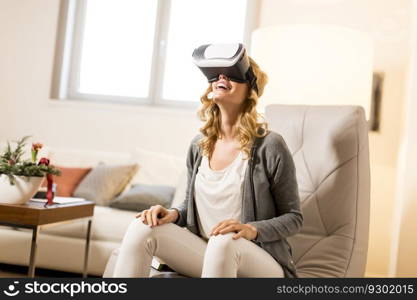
column 330, row 149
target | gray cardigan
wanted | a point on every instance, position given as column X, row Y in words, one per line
column 270, row 199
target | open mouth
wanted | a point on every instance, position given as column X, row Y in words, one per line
column 222, row 86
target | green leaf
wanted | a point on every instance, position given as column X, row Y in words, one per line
column 22, row 168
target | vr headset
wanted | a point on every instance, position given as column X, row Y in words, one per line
column 230, row 60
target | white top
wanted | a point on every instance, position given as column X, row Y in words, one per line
column 218, row 193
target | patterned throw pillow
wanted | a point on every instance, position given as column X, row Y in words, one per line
column 104, row 182
column 143, row 196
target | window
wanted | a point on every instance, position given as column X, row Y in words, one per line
column 140, row 51
column 112, row 61
column 205, row 24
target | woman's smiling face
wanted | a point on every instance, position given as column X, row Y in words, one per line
column 227, row 91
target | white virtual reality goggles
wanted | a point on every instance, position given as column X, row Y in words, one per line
column 230, row 60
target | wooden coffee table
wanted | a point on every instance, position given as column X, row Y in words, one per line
column 35, row 215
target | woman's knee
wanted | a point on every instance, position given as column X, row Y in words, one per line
column 137, row 223
column 222, row 243
column 138, row 230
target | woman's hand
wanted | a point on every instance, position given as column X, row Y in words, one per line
column 247, row 231
column 158, row 215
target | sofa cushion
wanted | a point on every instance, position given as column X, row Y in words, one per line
column 68, row 181
column 109, row 224
column 157, row 168
column 85, row 158
column 104, row 182
column 143, row 196
column 180, row 189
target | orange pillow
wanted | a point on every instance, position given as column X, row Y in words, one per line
column 68, row 181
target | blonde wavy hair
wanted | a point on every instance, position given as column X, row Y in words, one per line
column 247, row 122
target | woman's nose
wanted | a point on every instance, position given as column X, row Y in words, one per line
column 222, row 76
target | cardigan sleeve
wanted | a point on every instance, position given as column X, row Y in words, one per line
column 182, row 207
column 284, row 189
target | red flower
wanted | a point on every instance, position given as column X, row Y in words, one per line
column 44, row 161
column 36, row 146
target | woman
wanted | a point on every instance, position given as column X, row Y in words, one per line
column 242, row 198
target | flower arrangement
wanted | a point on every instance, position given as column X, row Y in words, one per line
column 12, row 163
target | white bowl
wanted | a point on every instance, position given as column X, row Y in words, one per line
column 21, row 192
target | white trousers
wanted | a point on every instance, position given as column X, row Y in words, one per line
column 191, row 255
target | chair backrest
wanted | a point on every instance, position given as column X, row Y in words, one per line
column 331, row 152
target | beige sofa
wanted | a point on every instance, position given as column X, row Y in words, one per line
column 61, row 247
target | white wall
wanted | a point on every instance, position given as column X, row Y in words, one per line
column 27, row 40
column 388, row 22
column 404, row 261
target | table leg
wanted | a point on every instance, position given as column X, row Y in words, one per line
column 87, row 248
column 33, row 247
